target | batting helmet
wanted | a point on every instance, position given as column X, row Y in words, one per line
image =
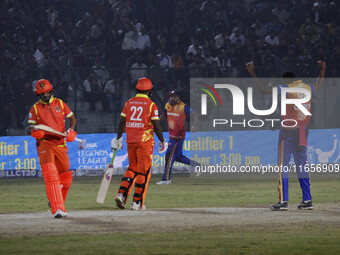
column 144, row 84
column 42, row 86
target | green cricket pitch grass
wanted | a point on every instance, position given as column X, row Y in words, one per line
column 283, row 234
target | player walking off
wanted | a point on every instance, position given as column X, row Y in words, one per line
column 52, row 150
column 176, row 112
column 293, row 140
column 139, row 118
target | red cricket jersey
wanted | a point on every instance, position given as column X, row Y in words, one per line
column 292, row 112
column 51, row 114
column 139, row 111
column 177, row 115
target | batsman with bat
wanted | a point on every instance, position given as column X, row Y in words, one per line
column 139, row 118
column 52, row 150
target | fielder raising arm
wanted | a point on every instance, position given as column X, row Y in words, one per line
column 264, row 89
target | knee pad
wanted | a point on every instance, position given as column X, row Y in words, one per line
column 52, row 185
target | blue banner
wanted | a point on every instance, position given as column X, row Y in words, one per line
column 18, row 154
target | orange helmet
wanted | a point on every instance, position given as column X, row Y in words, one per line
column 42, row 86
column 144, row 84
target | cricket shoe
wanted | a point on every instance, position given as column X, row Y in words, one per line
column 305, row 205
column 136, row 206
column 59, row 214
column 164, row 182
column 280, row 206
column 120, row 201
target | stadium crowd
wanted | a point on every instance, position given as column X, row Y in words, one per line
column 168, row 41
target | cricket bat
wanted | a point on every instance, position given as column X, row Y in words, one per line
column 51, row 130
column 104, row 186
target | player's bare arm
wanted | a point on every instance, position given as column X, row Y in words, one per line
column 196, row 119
column 121, row 127
column 264, row 89
column 158, row 130
column 73, row 121
column 319, row 82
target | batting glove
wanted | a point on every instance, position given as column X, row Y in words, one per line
column 37, row 134
column 71, row 135
column 116, row 144
column 163, row 147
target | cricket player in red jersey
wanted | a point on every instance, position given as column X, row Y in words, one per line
column 52, row 150
column 176, row 112
column 293, row 139
column 139, row 118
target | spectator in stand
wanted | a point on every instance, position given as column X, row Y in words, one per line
column 61, row 48
column 67, row 60
column 102, row 73
column 47, row 39
column 308, row 30
column 149, row 58
column 138, row 70
column 198, row 67
column 281, row 12
column 224, row 62
column 182, row 30
column 332, row 11
column 194, row 47
column 158, row 76
column 143, row 41
column 97, row 30
column 176, row 45
column 232, row 14
column 165, row 60
column 52, row 15
column 39, row 55
column 297, row 12
column 265, row 14
column 274, row 25
column 220, row 15
column 272, row 39
column 94, row 92
column 194, row 16
column 208, row 59
column 252, row 37
column 221, row 35
column 112, row 92
column 303, row 68
column 236, row 35
column 316, row 14
column 268, row 59
column 129, row 36
column 177, row 60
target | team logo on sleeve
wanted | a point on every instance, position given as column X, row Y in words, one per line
column 57, row 108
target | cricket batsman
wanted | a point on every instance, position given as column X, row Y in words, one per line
column 139, row 118
column 52, row 150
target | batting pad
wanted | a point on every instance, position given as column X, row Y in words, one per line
column 52, row 184
column 65, row 183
